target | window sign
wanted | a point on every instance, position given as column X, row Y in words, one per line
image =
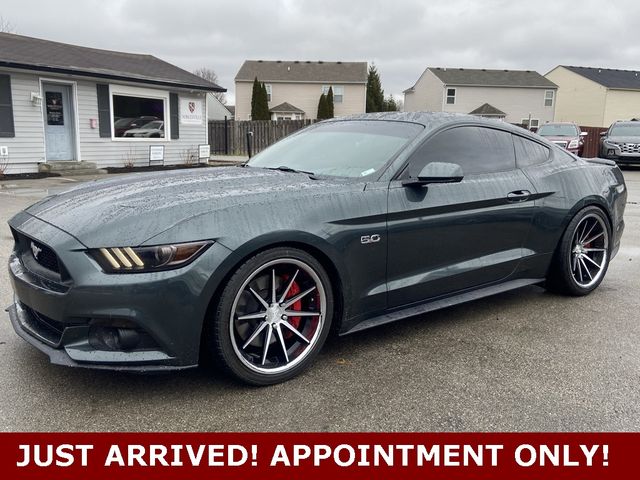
column 55, row 114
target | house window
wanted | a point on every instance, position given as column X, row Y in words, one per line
column 268, row 87
column 451, row 96
column 139, row 116
column 535, row 123
column 548, row 98
column 338, row 92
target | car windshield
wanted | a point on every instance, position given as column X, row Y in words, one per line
column 555, row 130
column 625, row 130
column 153, row 125
column 354, row 148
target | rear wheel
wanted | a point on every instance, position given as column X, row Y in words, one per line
column 273, row 316
column 582, row 256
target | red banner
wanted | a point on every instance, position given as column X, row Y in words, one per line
column 266, row 456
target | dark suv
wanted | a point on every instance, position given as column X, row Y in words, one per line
column 565, row 135
column 622, row 143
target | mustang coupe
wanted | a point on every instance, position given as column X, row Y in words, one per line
column 345, row 225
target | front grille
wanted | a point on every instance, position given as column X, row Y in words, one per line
column 560, row 143
column 43, row 255
column 630, row 148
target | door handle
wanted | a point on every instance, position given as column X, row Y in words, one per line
column 518, row 196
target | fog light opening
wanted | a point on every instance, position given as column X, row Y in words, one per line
column 113, row 338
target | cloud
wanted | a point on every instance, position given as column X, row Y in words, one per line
column 402, row 37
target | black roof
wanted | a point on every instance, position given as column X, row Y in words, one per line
column 18, row 51
column 491, row 78
column 609, row 77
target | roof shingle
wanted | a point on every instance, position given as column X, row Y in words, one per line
column 302, row 71
column 18, row 51
column 492, row 78
column 609, row 77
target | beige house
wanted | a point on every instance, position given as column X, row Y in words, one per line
column 514, row 96
column 596, row 97
column 294, row 87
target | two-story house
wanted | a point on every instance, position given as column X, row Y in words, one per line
column 294, row 87
column 515, row 96
column 596, row 97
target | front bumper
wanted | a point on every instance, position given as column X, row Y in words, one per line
column 72, row 321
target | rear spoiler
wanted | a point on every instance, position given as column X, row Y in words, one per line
column 600, row 161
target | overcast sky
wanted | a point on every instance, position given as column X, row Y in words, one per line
column 402, row 37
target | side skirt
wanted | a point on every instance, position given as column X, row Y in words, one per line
column 443, row 303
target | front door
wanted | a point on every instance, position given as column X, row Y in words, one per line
column 59, row 123
column 445, row 238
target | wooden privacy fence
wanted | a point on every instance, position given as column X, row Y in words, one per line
column 592, row 141
column 229, row 137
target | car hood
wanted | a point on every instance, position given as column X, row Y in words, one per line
column 130, row 209
column 621, row 139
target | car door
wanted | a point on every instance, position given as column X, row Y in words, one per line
column 449, row 237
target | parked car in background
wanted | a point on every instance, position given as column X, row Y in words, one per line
column 565, row 135
column 122, row 125
column 153, row 129
column 622, row 143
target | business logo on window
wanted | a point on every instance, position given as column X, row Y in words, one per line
column 191, row 111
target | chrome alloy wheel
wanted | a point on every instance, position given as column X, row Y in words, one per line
column 589, row 251
column 277, row 316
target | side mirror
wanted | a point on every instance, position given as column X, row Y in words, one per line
column 584, row 134
column 602, row 134
column 436, row 172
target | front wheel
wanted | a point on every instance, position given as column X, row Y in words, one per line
column 582, row 256
column 273, row 316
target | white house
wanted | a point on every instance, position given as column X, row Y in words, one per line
column 216, row 110
column 62, row 102
column 512, row 95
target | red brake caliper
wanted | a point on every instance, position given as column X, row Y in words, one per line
column 293, row 321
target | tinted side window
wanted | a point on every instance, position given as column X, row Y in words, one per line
column 475, row 149
column 529, row 153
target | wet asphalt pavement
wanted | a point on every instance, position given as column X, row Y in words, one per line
column 523, row 360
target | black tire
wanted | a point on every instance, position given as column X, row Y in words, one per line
column 288, row 355
column 570, row 272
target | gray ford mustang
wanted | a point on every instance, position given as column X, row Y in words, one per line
column 345, row 225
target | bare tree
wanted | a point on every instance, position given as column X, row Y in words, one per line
column 6, row 26
column 211, row 76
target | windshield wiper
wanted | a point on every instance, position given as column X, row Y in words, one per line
column 284, row 168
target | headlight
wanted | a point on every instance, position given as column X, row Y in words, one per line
column 610, row 143
column 147, row 259
column 573, row 144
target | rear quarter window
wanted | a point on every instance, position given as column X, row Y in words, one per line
column 530, row 153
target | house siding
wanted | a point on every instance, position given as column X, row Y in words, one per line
column 27, row 148
column 305, row 96
column 517, row 103
column 621, row 105
column 579, row 99
column 427, row 94
column 106, row 152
